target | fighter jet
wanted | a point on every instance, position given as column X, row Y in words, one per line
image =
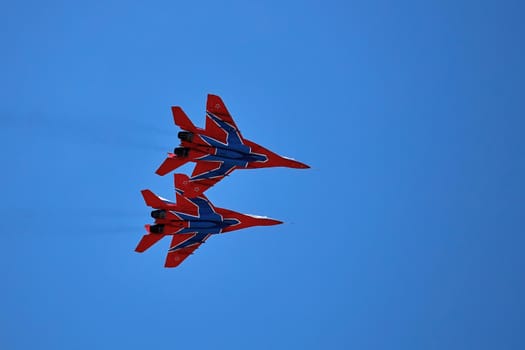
column 190, row 222
column 217, row 150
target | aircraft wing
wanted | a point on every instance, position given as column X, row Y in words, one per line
column 171, row 163
column 182, row 246
column 217, row 108
column 147, row 241
column 205, row 175
column 212, row 170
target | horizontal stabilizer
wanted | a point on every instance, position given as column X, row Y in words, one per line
column 152, row 200
column 181, row 119
column 171, row 163
column 147, row 241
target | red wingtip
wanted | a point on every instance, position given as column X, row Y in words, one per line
column 215, row 104
column 171, row 163
column 172, row 260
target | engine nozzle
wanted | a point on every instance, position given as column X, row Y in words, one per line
column 181, row 151
column 156, row 228
column 158, row 214
column 185, row 136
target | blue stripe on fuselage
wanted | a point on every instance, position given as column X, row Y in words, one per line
column 233, row 153
column 224, row 169
column 202, row 233
column 233, row 139
column 205, row 211
column 206, row 222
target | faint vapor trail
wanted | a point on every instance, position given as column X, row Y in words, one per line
column 96, row 131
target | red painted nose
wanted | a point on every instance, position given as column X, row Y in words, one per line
column 277, row 160
column 261, row 221
column 292, row 163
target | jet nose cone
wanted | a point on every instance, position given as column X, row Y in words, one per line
column 292, row 163
column 268, row 222
column 262, row 221
column 273, row 222
column 302, row 166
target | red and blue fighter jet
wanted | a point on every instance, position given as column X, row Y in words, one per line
column 190, row 222
column 217, row 150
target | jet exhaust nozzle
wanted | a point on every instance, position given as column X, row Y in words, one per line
column 158, row 214
column 156, row 228
column 185, row 136
column 181, row 151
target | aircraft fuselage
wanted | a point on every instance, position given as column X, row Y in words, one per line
column 177, row 222
column 219, row 152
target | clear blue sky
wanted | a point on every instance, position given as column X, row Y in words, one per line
column 407, row 233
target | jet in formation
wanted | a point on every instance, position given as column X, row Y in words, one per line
column 217, row 150
column 190, row 222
